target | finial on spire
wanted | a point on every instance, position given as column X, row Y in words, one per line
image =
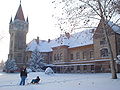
column 27, row 19
column 11, row 20
column 20, row 1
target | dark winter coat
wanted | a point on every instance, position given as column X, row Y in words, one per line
column 37, row 80
column 23, row 72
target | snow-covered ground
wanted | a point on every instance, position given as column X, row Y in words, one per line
column 99, row 81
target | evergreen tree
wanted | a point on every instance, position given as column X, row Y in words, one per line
column 116, row 5
column 2, row 64
column 36, row 62
column 10, row 66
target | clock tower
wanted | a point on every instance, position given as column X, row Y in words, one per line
column 18, row 28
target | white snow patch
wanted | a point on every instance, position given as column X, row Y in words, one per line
column 49, row 71
column 94, row 81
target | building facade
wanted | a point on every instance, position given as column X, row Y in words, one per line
column 82, row 52
column 86, row 51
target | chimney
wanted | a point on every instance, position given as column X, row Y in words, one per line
column 48, row 40
column 67, row 35
column 37, row 40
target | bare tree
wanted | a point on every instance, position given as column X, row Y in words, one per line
column 116, row 5
column 84, row 14
column 1, row 37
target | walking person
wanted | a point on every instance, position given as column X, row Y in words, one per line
column 23, row 75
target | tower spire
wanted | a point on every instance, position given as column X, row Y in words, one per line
column 19, row 14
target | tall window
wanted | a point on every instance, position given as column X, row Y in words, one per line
column 118, row 51
column 84, row 55
column 61, row 56
column 77, row 55
column 104, row 52
column 78, row 67
column 118, row 41
column 11, row 44
column 91, row 54
column 55, row 57
column 71, row 56
column 85, row 67
column 92, row 67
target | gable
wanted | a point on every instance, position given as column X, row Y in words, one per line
column 111, row 30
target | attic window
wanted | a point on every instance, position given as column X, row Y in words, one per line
column 103, row 41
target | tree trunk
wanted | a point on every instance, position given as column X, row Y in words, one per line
column 104, row 26
column 112, row 62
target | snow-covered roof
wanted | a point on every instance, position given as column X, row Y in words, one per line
column 75, row 40
column 115, row 27
column 43, row 46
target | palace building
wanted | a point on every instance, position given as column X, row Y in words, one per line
column 85, row 51
column 82, row 52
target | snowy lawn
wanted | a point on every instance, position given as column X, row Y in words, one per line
column 99, row 81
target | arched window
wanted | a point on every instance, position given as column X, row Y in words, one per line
column 61, row 56
column 58, row 58
column 104, row 52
